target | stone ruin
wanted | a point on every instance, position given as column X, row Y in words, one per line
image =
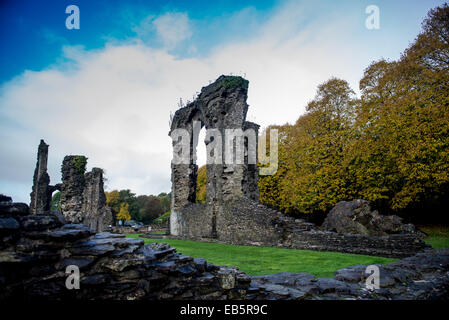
column 357, row 217
column 232, row 213
column 36, row 249
column 82, row 194
column 220, row 106
column 42, row 190
column 37, row 245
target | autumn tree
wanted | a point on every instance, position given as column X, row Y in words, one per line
column 201, row 185
column 124, row 212
column 130, row 198
column 390, row 146
column 311, row 176
column 400, row 155
column 112, row 200
column 271, row 186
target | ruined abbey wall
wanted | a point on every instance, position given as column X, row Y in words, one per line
column 232, row 213
column 221, row 108
column 42, row 190
column 82, row 194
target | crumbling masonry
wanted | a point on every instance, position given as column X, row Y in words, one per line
column 232, row 213
column 219, row 107
column 82, row 194
column 42, row 190
column 35, row 250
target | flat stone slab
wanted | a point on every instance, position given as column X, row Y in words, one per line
column 38, row 222
column 8, row 224
column 14, row 209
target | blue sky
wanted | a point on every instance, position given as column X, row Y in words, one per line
column 107, row 89
column 34, row 30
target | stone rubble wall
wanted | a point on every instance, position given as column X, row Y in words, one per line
column 155, row 228
column 82, row 196
column 73, row 184
column 36, row 249
column 424, row 276
column 97, row 215
column 247, row 222
column 357, row 217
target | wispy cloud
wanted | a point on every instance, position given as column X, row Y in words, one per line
column 170, row 28
column 173, row 28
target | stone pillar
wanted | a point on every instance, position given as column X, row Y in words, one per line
column 97, row 215
column 183, row 178
column 41, row 192
column 73, row 183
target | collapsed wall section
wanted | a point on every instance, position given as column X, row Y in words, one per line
column 247, row 222
column 97, row 215
column 82, row 194
column 73, row 184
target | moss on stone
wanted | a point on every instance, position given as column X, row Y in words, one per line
column 235, row 82
column 80, row 163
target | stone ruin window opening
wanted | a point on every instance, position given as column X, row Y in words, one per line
column 55, row 204
column 200, row 159
column 201, row 153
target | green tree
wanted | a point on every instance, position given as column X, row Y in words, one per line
column 153, row 209
column 271, row 186
column 56, row 202
column 165, row 201
column 130, row 198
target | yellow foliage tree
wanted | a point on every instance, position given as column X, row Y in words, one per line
column 401, row 156
column 112, row 198
column 201, row 185
column 270, row 186
column 124, row 212
column 391, row 146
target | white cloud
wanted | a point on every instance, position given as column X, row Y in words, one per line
column 113, row 104
column 171, row 28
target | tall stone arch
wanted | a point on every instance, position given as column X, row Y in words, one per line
column 221, row 108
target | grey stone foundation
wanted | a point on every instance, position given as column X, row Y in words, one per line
column 247, row 222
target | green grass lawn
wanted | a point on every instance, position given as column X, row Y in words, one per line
column 438, row 236
column 266, row 260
